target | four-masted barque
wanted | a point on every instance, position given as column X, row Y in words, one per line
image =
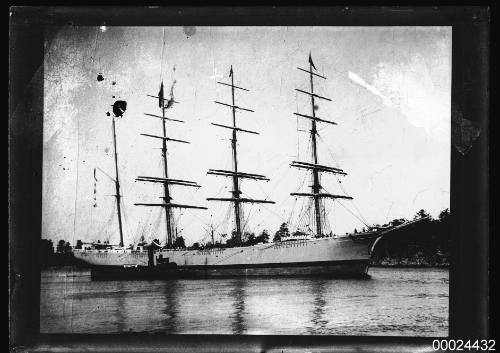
column 337, row 256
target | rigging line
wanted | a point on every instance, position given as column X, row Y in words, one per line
column 202, row 222
column 180, row 213
column 273, row 212
column 304, row 206
column 142, row 222
column 299, row 222
column 290, row 216
column 273, row 184
column 387, row 215
column 359, row 212
column 340, row 184
column 328, row 227
column 307, row 217
column 359, row 219
column 304, row 212
column 304, row 178
column 155, row 225
column 224, row 220
column 226, row 217
column 247, row 219
column 108, row 222
column 327, row 148
column 153, row 214
column 145, row 225
column 352, row 202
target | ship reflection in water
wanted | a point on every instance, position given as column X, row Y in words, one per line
column 411, row 302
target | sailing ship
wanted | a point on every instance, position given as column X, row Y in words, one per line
column 316, row 254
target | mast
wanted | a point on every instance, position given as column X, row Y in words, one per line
column 166, row 188
column 117, row 186
column 316, row 168
column 316, row 186
column 236, row 198
column 167, row 203
column 236, row 186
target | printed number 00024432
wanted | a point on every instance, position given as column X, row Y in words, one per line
column 461, row 345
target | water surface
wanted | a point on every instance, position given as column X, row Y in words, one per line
column 394, row 302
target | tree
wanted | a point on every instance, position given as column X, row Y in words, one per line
column 63, row 247
column 281, row 233
column 196, row 246
column 298, row 233
column 47, row 246
column 444, row 214
column 79, row 244
column 421, row 214
column 179, row 242
column 233, row 241
column 249, row 238
column 263, row 237
column 60, row 246
column 396, row 222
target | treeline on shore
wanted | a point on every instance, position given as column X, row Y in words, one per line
column 61, row 255
column 424, row 244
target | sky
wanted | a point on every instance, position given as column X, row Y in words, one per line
column 391, row 96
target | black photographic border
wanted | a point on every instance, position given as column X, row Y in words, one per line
column 469, row 316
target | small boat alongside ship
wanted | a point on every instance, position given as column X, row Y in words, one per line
column 314, row 254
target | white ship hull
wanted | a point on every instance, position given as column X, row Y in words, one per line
column 117, row 258
column 341, row 256
column 327, row 256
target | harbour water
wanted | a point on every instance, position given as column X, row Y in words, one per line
column 393, row 302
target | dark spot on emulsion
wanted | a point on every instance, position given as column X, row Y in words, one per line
column 100, row 78
column 189, row 30
column 119, row 108
column 316, row 107
column 113, row 96
column 113, row 83
column 108, row 114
